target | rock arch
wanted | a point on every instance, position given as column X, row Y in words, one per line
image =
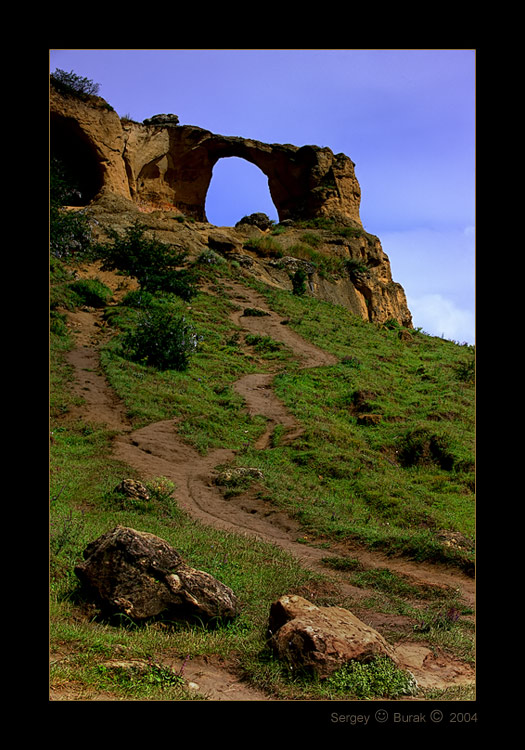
column 169, row 165
column 174, row 165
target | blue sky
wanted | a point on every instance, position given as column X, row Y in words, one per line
column 406, row 117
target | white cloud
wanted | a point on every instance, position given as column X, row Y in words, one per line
column 439, row 316
column 436, row 268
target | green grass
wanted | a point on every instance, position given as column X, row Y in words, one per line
column 84, row 505
column 343, row 480
column 211, row 414
column 372, row 483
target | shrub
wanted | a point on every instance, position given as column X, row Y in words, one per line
column 73, row 84
column 262, row 344
column 162, row 338
column 69, row 231
column 138, row 299
column 311, row 239
column 211, row 258
column 299, row 282
column 153, row 263
column 57, row 323
column 69, row 235
column 266, row 247
column 355, row 267
column 254, row 312
column 420, row 447
column 466, row 371
column 377, row 678
column 91, row 292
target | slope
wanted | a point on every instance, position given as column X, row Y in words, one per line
column 178, row 449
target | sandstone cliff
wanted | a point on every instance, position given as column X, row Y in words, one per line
column 160, row 171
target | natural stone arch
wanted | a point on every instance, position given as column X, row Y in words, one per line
column 170, row 165
column 175, row 165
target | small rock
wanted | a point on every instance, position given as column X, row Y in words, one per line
column 238, row 475
column 133, row 488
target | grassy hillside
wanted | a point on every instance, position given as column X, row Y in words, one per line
column 388, row 454
column 386, row 460
column 387, row 457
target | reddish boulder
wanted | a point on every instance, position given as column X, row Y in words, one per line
column 321, row 639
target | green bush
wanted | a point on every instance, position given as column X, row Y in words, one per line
column 138, row 299
column 419, row 447
column 262, row 344
column 162, row 338
column 91, row 292
column 73, row 84
column 299, row 281
column 69, row 234
column 355, row 267
column 466, row 371
column 377, row 678
column 69, row 231
column 154, row 264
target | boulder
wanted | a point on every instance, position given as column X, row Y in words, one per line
column 161, row 121
column 137, row 574
column 321, row 640
column 260, row 220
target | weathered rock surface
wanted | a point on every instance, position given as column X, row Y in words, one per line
column 133, row 488
column 159, row 162
column 140, row 575
column 160, row 171
column 321, row 639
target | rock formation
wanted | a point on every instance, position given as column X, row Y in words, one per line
column 159, row 163
column 161, row 166
column 321, row 639
column 133, row 573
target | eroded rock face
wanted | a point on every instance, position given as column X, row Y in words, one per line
column 321, row 639
column 160, row 171
column 159, row 162
column 141, row 576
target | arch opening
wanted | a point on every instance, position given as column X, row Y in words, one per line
column 72, row 151
column 237, row 188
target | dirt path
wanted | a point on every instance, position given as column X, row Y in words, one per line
column 157, row 450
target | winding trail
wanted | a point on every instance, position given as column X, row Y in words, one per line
column 157, row 450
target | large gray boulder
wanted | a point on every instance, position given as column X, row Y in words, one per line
column 139, row 575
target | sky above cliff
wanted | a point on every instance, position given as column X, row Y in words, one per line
column 406, row 118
